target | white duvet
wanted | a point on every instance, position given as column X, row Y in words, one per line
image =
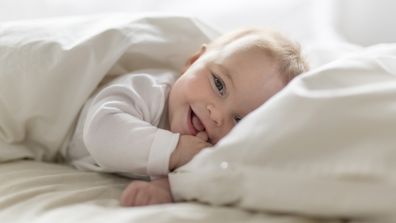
column 322, row 149
column 49, row 68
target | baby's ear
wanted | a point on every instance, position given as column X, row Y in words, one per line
column 194, row 58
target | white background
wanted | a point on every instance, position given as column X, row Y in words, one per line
column 364, row 22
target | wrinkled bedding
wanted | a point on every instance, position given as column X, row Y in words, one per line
column 322, row 150
column 49, row 68
column 41, row 192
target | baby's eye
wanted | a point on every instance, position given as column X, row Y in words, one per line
column 219, row 84
column 237, row 119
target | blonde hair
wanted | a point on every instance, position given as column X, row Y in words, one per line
column 285, row 52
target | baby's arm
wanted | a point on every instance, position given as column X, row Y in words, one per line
column 119, row 129
column 140, row 193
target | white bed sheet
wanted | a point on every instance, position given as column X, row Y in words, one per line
column 37, row 192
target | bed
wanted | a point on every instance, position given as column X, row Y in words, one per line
column 322, row 150
column 45, row 192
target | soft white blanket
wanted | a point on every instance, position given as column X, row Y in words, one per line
column 49, row 68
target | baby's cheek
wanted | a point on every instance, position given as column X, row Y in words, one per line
column 226, row 130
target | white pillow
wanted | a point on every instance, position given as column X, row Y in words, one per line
column 325, row 146
column 48, row 68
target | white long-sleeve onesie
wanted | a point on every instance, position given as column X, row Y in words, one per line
column 123, row 128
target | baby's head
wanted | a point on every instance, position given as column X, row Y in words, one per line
column 230, row 77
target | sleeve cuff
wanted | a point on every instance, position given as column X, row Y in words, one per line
column 163, row 145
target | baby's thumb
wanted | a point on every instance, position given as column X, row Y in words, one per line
column 203, row 135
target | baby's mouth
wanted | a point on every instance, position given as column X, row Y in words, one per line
column 196, row 124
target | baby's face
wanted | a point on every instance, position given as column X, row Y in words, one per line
column 220, row 87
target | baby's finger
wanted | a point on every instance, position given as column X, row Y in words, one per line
column 141, row 199
column 128, row 196
column 203, row 136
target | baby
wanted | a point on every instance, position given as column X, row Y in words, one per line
column 149, row 123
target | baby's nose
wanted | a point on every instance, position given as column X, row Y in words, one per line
column 215, row 115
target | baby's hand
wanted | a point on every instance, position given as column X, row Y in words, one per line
column 141, row 193
column 187, row 148
column 202, row 135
